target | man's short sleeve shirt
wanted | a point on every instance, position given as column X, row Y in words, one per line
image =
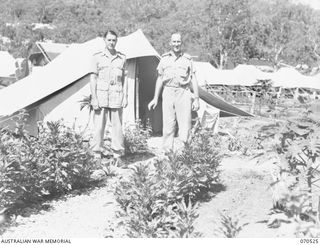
column 175, row 70
column 110, row 71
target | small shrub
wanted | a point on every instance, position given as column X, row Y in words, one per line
column 148, row 210
column 234, row 144
column 159, row 198
column 295, row 209
column 245, row 144
column 230, row 226
column 296, row 183
column 135, row 138
column 54, row 162
column 202, row 157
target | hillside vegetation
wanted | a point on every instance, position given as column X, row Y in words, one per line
column 223, row 32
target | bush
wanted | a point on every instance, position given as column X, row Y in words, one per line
column 149, row 210
column 202, row 157
column 31, row 167
column 159, row 199
column 296, row 180
column 135, row 138
column 246, row 144
column 229, row 227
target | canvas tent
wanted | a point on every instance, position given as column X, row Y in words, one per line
column 54, row 91
column 315, row 81
column 44, row 52
column 250, row 75
column 287, row 77
column 7, row 64
column 242, row 75
column 7, row 69
column 203, row 72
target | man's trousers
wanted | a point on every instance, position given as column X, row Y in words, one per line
column 99, row 120
column 176, row 106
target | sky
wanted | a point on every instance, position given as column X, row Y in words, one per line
column 312, row 3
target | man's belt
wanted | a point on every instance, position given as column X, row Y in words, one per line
column 170, row 83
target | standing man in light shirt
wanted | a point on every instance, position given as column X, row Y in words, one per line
column 175, row 75
column 109, row 95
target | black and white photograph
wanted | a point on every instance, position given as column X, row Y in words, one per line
column 159, row 119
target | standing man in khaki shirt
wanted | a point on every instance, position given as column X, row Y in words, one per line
column 175, row 73
column 109, row 93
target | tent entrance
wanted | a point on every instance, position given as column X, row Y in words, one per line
column 146, row 76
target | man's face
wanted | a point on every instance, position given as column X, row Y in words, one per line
column 111, row 41
column 175, row 42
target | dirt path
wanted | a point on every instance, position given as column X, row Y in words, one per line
column 84, row 215
column 246, row 196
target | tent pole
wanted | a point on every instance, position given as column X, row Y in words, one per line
column 43, row 52
column 296, row 93
column 137, row 81
column 253, row 99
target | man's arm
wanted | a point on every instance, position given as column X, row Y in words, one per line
column 93, row 89
column 125, row 89
column 159, row 85
column 195, row 88
column 195, row 104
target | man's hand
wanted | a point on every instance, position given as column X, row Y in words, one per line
column 153, row 103
column 124, row 102
column 95, row 104
column 195, row 104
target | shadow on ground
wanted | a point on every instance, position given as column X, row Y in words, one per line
column 206, row 194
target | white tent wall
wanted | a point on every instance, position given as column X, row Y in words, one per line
column 129, row 111
column 249, row 75
column 7, row 64
column 203, row 72
column 65, row 105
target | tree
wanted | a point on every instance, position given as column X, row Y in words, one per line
column 223, row 31
column 314, row 37
column 281, row 33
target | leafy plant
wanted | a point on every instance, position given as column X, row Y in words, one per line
column 135, row 138
column 298, row 175
column 201, row 159
column 246, row 144
column 159, row 198
column 230, row 226
column 86, row 103
column 265, row 94
column 54, row 162
column 299, row 150
column 296, row 210
column 149, row 210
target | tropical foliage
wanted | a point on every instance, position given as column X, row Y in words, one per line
column 54, row 162
column 159, row 198
column 223, row 32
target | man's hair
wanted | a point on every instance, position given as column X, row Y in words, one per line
column 176, row 33
column 110, row 32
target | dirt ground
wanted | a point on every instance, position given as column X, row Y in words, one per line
column 246, row 195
